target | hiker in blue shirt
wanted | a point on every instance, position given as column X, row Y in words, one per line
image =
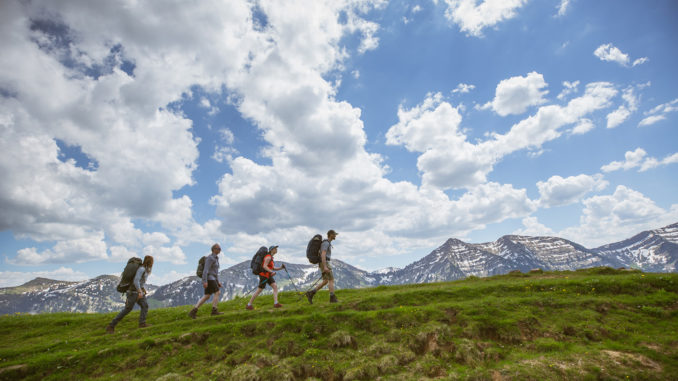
column 136, row 294
column 210, row 282
column 325, row 269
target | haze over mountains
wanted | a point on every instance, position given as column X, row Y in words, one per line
column 651, row 251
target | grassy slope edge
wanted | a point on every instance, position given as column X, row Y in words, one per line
column 596, row 323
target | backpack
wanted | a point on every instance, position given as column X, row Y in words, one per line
column 127, row 276
column 257, row 263
column 201, row 267
column 313, row 249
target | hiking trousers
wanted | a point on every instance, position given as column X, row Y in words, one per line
column 129, row 306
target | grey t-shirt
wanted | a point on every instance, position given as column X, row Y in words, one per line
column 211, row 270
column 326, row 246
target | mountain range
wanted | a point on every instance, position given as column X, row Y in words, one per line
column 650, row 251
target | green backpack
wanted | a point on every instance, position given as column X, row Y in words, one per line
column 201, row 267
column 127, row 276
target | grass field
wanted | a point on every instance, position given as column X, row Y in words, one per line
column 590, row 324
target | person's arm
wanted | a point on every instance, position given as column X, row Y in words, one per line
column 323, row 257
column 217, row 276
column 137, row 281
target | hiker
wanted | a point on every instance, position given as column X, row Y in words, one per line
column 325, row 269
column 266, row 277
column 210, row 282
column 136, row 294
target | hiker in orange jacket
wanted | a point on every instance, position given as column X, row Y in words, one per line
column 266, row 277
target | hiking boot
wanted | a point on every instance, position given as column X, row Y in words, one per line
column 110, row 329
column 249, row 307
column 277, row 305
column 333, row 299
column 144, row 325
column 216, row 312
column 309, row 296
column 193, row 313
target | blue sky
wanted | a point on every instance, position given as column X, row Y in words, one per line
column 146, row 129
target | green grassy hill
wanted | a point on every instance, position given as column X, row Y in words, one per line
column 590, row 324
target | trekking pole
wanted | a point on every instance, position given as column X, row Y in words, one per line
column 314, row 283
column 255, row 287
column 299, row 293
column 288, row 275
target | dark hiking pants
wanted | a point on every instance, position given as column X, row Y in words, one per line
column 129, row 306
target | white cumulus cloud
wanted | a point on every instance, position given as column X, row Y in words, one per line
column 632, row 159
column 472, row 17
column 611, row 53
column 119, row 117
column 516, row 94
column 558, row 191
column 623, row 112
column 568, row 88
column 16, row 278
column 659, row 113
column 463, row 88
column 562, row 7
column 532, row 227
column 609, row 218
column 449, row 160
column 585, row 125
column 67, row 251
column 638, row 159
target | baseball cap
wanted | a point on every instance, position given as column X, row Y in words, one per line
column 331, row 232
column 270, row 248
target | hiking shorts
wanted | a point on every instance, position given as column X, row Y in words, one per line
column 212, row 287
column 263, row 281
column 328, row 275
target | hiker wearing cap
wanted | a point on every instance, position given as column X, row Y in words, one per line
column 266, row 277
column 136, row 294
column 325, row 269
column 210, row 282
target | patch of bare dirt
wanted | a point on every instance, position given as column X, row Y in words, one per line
column 623, row 358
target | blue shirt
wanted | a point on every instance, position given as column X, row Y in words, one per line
column 140, row 278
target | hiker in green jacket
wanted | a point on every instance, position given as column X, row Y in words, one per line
column 136, row 294
column 210, row 282
column 266, row 277
column 325, row 269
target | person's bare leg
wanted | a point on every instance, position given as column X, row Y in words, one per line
column 254, row 296
column 274, row 286
column 215, row 300
column 201, row 301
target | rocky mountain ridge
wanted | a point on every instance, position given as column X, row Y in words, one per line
column 651, row 251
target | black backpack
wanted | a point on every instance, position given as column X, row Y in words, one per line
column 127, row 276
column 201, row 267
column 257, row 263
column 313, row 249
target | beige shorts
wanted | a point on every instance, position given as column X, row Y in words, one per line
column 328, row 275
